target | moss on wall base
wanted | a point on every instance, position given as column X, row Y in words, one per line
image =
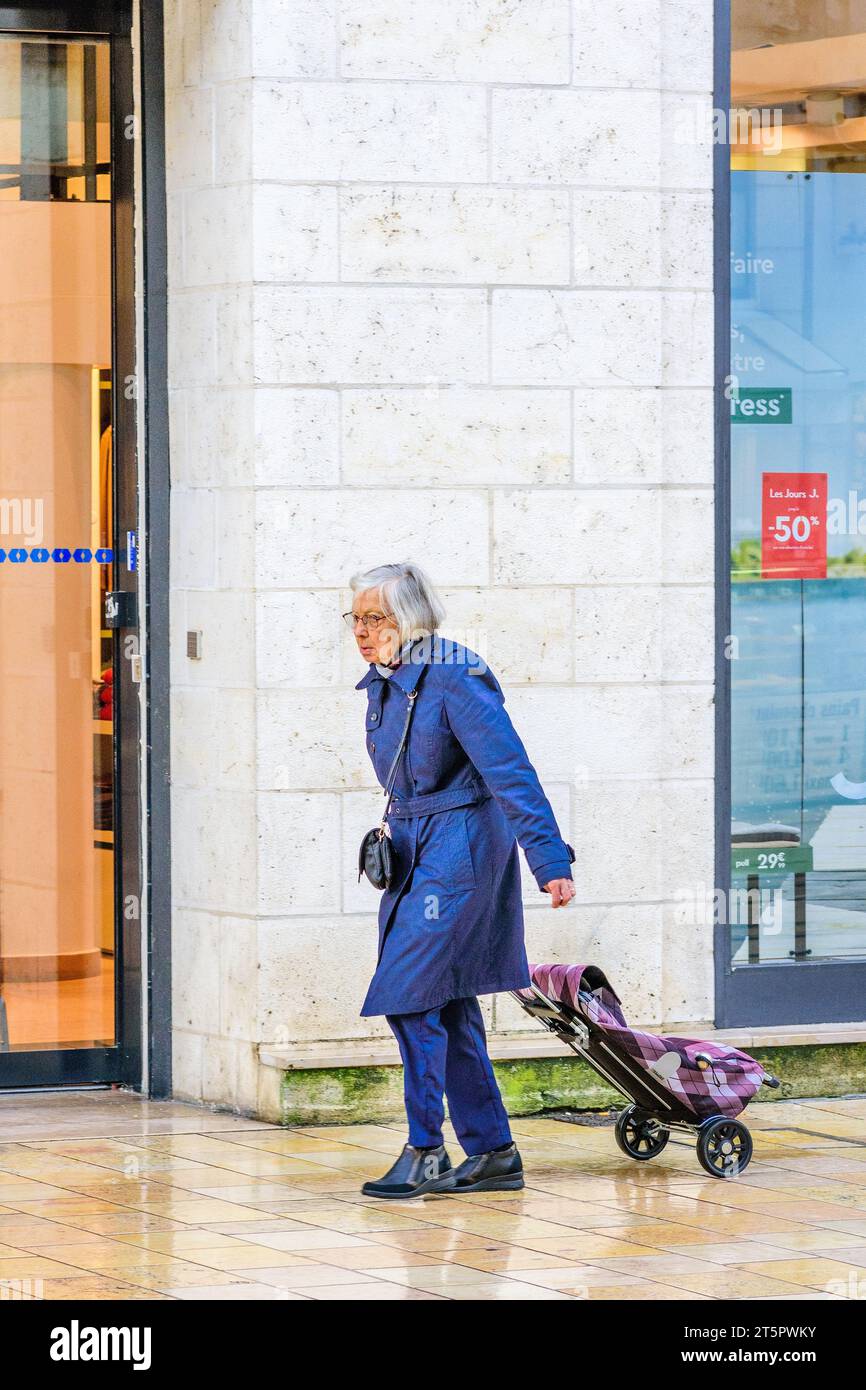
column 342, row 1096
column 374, row 1095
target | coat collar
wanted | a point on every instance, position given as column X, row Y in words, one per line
column 406, row 674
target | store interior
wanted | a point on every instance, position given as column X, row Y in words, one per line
column 57, row 871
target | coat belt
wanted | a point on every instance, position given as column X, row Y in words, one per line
column 447, row 800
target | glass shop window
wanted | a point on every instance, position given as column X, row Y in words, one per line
column 798, row 480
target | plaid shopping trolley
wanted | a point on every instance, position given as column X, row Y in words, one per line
column 671, row 1082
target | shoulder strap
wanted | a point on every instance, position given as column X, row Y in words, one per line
column 391, row 779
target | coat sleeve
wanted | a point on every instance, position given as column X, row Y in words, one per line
column 475, row 708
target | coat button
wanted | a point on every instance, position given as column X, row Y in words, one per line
column 374, row 718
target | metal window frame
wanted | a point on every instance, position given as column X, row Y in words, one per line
column 157, row 486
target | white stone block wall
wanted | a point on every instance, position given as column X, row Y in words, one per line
column 440, row 287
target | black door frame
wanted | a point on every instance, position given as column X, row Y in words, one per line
column 121, row 1062
column 157, row 492
column 786, row 992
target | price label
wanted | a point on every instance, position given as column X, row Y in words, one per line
column 794, row 526
column 778, row 859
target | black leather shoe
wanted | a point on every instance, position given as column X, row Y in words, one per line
column 416, row 1171
column 499, row 1171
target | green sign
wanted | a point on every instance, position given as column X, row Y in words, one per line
column 771, row 859
column 761, row 405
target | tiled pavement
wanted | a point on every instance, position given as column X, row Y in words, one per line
column 104, row 1195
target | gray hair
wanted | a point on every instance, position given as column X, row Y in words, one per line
column 409, row 593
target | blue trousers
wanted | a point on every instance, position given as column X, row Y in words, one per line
column 444, row 1050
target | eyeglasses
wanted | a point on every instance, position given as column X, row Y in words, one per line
column 371, row 620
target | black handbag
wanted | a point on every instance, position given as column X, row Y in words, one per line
column 376, row 855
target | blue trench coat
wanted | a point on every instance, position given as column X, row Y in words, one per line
column 451, row 925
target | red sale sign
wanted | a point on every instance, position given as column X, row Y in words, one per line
column 794, row 526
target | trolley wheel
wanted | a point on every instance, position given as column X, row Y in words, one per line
column 639, row 1135
column 724, row 1147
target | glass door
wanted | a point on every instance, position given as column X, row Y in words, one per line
column 795, row 948
column 68, row 695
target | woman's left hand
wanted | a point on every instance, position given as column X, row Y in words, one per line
column 561, row 891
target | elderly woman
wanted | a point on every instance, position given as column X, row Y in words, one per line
column 451, row 919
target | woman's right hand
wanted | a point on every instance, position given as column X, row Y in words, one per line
column 561, row 891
